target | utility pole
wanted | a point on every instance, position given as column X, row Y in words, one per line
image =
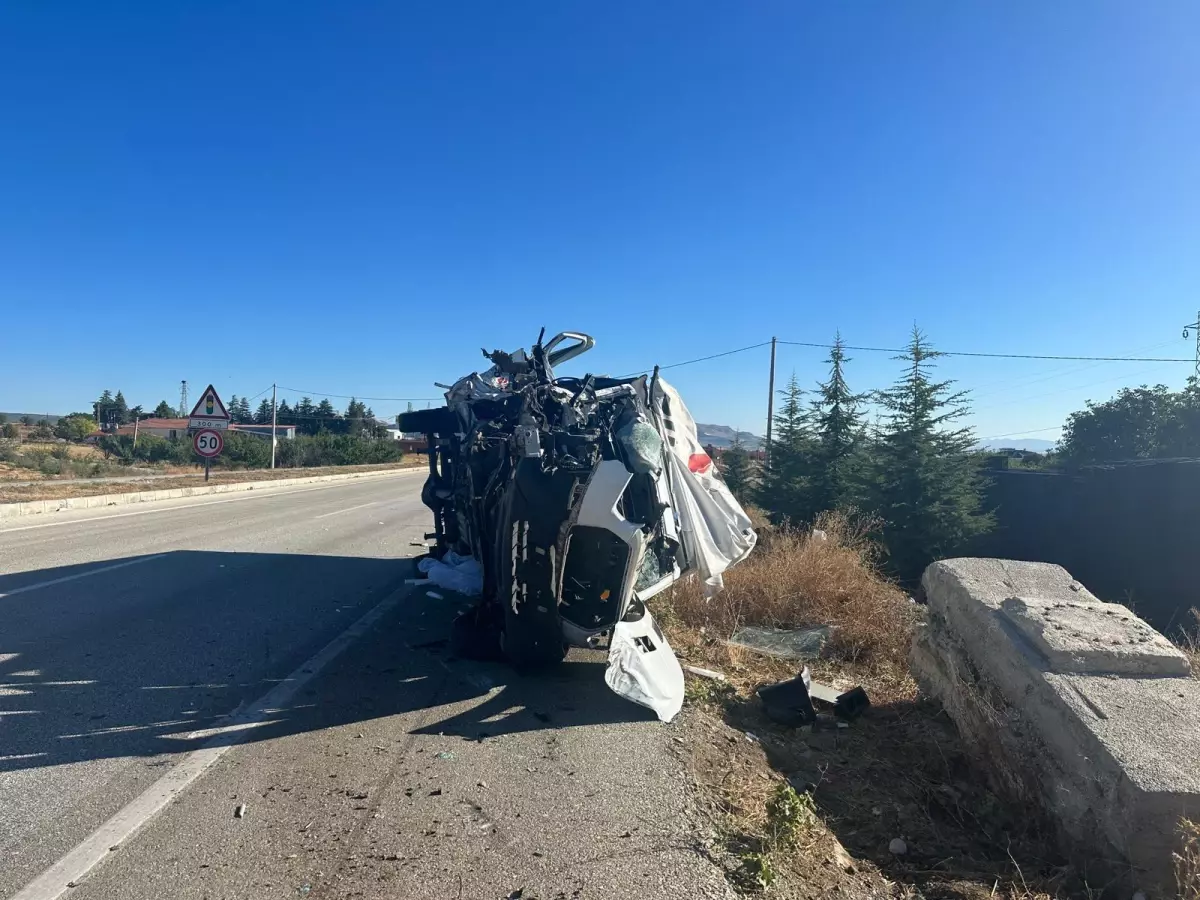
column 770, row 406
column 274, row 419
column 136, row 421
column 1195, row 325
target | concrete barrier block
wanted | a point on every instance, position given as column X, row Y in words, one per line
column 1072, row 706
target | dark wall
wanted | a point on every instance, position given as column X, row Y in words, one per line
column 1130, row 533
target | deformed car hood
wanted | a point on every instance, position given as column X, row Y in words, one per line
column 714, row 529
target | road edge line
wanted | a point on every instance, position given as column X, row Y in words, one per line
column 70, row 869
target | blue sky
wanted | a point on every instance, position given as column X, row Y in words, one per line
column 353, row 198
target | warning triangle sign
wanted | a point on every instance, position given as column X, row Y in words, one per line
column 209, row 406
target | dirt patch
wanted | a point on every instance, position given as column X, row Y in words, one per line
column 896, row 779
column 59, row 489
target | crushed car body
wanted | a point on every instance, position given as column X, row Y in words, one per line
column 581, row 498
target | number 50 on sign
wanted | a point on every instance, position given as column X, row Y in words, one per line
column 208, row 443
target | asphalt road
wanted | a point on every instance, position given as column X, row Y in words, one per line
column 129, row 641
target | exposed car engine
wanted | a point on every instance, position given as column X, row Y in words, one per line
column 580, row 498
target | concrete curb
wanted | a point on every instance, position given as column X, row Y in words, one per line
column 38, row 507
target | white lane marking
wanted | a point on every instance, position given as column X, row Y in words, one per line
column 53, row 883
column 338, row 512
column 188, row 506
column 42, row 584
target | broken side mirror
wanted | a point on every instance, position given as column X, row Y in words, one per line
column 584, row 343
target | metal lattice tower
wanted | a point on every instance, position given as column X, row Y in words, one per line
column 183, row 403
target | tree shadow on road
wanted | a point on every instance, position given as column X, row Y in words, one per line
column 151, row 656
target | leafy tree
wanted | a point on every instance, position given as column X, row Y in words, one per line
column 837, row 466
column 929, row 485
column 737, row 469
column 75, row 427
column 1139, row 423
column 43, row 432
column 10, row 431
column 246, row 451
column 26, row 421
column 164, row 410
column 262, row 415
column 784, row 483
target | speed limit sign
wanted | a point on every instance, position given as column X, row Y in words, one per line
column 208, row 443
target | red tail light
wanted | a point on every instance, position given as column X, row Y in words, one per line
column 699, row 463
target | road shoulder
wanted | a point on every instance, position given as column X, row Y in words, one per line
column 401, row 773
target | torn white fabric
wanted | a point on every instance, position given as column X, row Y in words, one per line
column 714, row 529
column 642, row 667
column 454, row 573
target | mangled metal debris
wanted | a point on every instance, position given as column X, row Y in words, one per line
column 579, row 499
column 791, row 702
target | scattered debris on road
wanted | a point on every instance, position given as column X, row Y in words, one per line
column 239, row 811
column 704, row 673
column 788, row 702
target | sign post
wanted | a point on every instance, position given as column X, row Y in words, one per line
column 208, row 443
column 208, row 419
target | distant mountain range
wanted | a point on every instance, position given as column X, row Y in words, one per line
column 1035, row 445
column 722, row 436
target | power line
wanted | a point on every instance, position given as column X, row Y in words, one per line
column 991, row 355
column 993, row 437
column 357, row 397
column 688, row 362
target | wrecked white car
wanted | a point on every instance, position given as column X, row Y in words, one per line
column 579, row 498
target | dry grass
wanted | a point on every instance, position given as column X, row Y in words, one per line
column 76, row 451
column 1188, row 640
column 900, row 771
column 1187, row 861
column 794, row 580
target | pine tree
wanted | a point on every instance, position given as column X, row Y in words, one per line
column 245, row 416
column 737, row 470
column 103, row 407
column 232, row 409
column 837, row 475
column 324, row 415
column 262, row 415
column 356, row 417
column 122, row 409
column 284, row 415
column 783, row 485
column 164, row 410
column 304, row 413
column 929, row 488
